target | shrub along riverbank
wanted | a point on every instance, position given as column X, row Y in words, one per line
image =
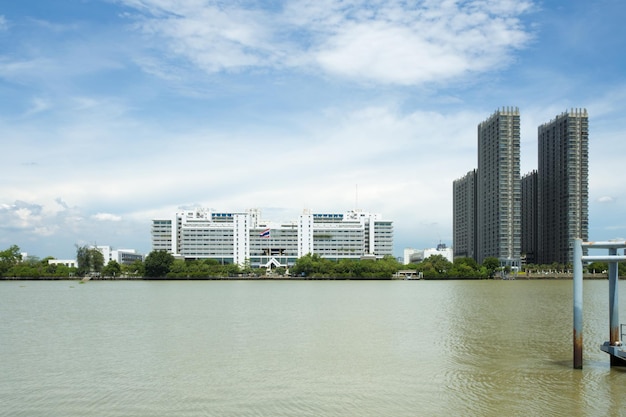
column 162, row 265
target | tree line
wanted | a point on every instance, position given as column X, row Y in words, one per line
column 160, row 264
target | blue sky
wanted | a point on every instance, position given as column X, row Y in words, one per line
column 117, row 112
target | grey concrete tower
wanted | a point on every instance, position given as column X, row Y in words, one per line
column 563, row 173
column 464, row 216
column 530, row 224
column 499, row 188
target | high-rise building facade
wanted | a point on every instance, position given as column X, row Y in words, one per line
column 563, row 185
column 530, row 234
column 464, row 216
column 499, row 188
column 535, row 217
column 243, row 237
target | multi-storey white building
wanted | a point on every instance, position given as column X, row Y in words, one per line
column 243, row 237
column 121, row 256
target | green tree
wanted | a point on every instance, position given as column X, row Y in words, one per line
column 465, row 268
column 82, row 259
column 158, row 264
column 97, row 260
column 230, row 270
column 89, row 260
column 178, row 269
column 491, row 264
column 112, row 269
column 312, row 265
column 9, row 258
column 435, row 266
column 247, row 267
column 136, row 269
column 598, row 267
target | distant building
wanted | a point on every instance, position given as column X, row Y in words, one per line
column 70, row 263
column 243, row 237
column 530, row 233
column 464, row 216
column 121, row 256
column 563, row 186
column 535, row 218
column 412, row 256
column 498, row 226
column 162, row 236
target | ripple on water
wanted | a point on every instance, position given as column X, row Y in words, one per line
column 302, row 349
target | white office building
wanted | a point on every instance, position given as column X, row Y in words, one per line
column 244, row 237
column 121, row 256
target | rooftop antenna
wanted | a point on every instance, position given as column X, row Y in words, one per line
column 356, row 197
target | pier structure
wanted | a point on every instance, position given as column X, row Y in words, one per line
column 614, row 346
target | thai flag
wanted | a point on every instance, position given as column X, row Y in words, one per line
column 265, row 233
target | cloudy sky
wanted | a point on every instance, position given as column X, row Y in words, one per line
column 116, row 112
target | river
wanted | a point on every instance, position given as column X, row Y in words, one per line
column 304, row 348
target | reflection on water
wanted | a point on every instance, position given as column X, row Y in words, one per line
column 303, row 348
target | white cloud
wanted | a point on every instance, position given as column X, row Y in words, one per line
column 381, row 150
column 421, row 45
column 20, row 215
column 86, row 127
column 385, row 42
column 106, row 217
column 46, row 231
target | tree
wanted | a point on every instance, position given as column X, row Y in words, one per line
column 82, row 259
column 158, row 263
column 178, row 269
column 465, row 268
column 247, row 267
column 312, row 265
column 598, row 267
column 435, row 266
column 9, row 258
column 491, row 265
column 112, row 269
column 97, row 260
column 89, row 260
column 136, row 269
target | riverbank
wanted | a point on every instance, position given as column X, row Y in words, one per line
column 277, row 278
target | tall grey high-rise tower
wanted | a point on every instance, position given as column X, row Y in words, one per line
column 530, row 224
column 499, row 188
column 464, row 216
column 563, row 185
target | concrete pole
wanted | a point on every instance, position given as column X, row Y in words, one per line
column 578, row 304
column 613, row 301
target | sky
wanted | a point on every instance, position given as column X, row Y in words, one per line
column 117, row 112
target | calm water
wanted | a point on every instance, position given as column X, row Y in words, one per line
column 304, row 348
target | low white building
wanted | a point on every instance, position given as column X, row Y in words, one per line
column 413, row 256
column 121, row 256
column 71, row 263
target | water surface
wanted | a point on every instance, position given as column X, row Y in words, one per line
column 303, row 348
